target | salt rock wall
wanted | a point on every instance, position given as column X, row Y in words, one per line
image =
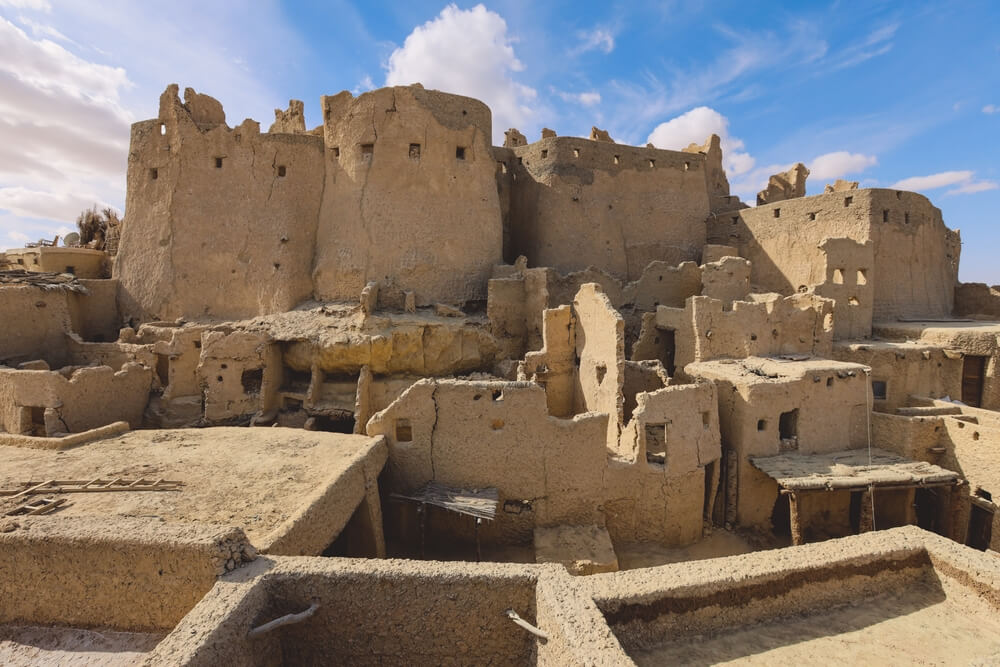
column 410, row 198
column 915, row 256
column 221, row 222
column 577, row 203
column 398, row 187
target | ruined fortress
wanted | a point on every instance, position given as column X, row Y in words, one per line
column 380, row 392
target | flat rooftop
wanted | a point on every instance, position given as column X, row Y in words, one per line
column 941, row 332
column 850, row 469
column 784, row 368
column 286, row 488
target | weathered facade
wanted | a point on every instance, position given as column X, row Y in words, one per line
column 569, row 351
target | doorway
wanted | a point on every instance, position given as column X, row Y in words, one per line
column 973, row 372
column 980, row 528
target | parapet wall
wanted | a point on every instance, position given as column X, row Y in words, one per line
column 576, row 203
column 124, row 574
column 914, row 256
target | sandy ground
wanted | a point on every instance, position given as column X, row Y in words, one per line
column 913, row 626
column 255, row 478
column 31, row 645
column 645, row 554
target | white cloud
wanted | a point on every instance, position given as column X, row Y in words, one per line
column 467, row 52
column 876, row 43
column 839, row 164
column 933, row 181
column 63, row 130
column 363, row 86
column 973, row 187
column 654, row 95
column 587, row 99
column 963, row 181
column 66, row 104
column 693, row 127
column 46, row 205
column 991, row 108
column 600, row 39
column 35, row 5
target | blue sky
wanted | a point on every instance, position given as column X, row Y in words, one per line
column 885, row 93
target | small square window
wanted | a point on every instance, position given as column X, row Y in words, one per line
column 414, row 151
column 777, row 212
column 736, row 219
column 838, row 277
column 576, row 152
column 906, row 218
column 404, row 431
column 862, row 277
column 812, row 216
column 652, row 164
column 616, row 159
column 545, row 152
column 336, row 151
column 885, row 215
column 218, row 163
column 71, row 270
column 460, row 152
column 163, row 129
column 687, row 166
column 761, row 424
column 879, row 389
column 154, row 174
column 281, row 171
column 367, row 150
column 848, row 201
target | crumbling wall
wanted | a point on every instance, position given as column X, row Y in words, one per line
column 94, row 315
column 554, row 366
column 914, row 256
column 81, row 399
column 703, row 330
column 727, row 280
column 42, row 320
column 822, row 406
column 977, row 299
column 233, row 373
column 471, row 434
column 847, row 282
column 971, row 339
column 222, row 222
column 901, row 370
column 600, row 348
column 577, row 203
column 410, row 188
column 519, row 295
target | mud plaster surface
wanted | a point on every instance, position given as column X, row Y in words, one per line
column 255, row 478
column 32, row 645
column 720, row 543
column 913, row 626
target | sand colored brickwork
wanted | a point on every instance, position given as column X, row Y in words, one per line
column 364, row 355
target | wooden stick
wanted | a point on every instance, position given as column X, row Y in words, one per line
column 287, row 619
column 512, row 615
column 33, row 488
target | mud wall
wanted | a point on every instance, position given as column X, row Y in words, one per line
column 577, row 203
column 915, row 257
column 126, row 574
column 410, row 197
